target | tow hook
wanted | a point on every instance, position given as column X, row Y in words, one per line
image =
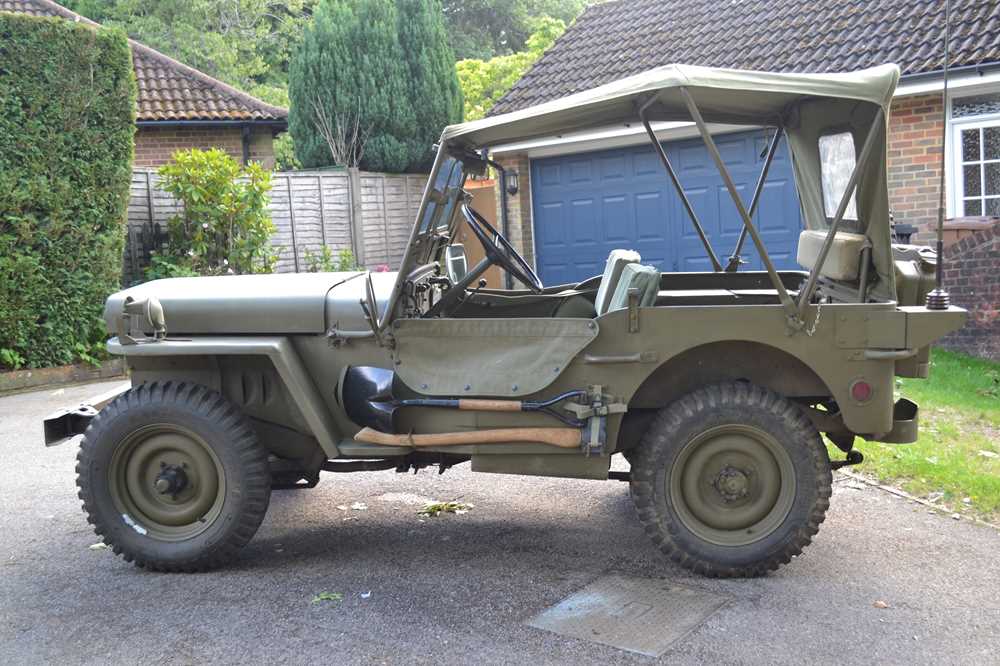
column 853, row 458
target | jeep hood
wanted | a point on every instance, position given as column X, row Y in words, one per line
column 238, row 304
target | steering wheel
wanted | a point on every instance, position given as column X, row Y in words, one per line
column 499, row 251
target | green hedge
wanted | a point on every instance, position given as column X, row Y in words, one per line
column 67, row 119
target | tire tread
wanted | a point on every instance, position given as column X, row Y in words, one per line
column 202, row 402
column 661, row 526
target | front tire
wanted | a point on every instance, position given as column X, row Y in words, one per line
column 731, row 480
column 172, row 477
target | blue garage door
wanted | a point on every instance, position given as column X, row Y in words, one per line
column 588, row 204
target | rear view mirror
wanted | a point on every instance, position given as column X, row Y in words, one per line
column 455, row 262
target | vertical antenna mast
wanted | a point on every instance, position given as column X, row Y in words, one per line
column 939, row 299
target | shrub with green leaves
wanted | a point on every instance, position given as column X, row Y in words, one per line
column 224, row 227
column 324, row 261
column 67, row 119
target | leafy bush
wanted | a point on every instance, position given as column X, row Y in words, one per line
column 324, row 262
column 67, row 118
column 225, row 226
column 484, row 82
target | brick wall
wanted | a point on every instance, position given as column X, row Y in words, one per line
column 915, row 161
column 155, row 145
column 519, row 206
column 972, row 279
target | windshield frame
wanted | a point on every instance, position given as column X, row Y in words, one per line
column 435, row 218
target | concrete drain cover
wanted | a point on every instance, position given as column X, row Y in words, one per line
column 637, row 614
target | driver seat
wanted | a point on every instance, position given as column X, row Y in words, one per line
column 617, row 261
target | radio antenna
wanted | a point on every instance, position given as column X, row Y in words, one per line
column 938, row 299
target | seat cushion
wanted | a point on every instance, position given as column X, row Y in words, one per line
column 842, row 261
column 617, row 261
column 636, row 276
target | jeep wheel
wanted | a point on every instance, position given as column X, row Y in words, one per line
column 731, row 480
column 172, row 477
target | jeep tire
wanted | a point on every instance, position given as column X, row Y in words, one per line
column 731, row 480
column 172, row 477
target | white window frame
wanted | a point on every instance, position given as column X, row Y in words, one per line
column 954, row 171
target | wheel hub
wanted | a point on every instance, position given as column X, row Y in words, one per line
column 732, row 484
column 167, row 479
column 171, row 480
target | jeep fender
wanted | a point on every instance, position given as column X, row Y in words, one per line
column 282, row 355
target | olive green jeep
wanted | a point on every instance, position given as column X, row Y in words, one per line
column 715, row 386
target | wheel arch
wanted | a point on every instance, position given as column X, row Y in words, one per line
column 759, row 363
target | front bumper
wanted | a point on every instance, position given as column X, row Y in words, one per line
column 65, row 424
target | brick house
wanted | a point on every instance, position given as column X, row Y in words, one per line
column 623, row 37
column 179, row 107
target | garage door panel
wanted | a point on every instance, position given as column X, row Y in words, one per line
column 622, row 198
column 613, row 168
column 584, row 223
column 550, row 227
column 702, row 200
column 580, row 171
column 773, row 207
column 730, row 221
column 688, row 158
column 549, row 175
column 734, row 152
column 618, row 216
column 647, row 164
column 650, row 217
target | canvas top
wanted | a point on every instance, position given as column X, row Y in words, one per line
column 722, row 95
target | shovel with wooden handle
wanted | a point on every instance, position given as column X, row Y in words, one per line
column 483, row 405
column 367, row 398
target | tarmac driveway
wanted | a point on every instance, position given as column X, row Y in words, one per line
column 461, row 588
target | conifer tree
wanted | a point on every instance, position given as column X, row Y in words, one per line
column 434, row 92
column 348, row 89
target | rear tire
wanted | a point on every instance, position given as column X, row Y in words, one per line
column 172, row 477
column 731, row 480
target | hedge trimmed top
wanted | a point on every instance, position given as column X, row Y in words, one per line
column 67, row 118
column 169, row 90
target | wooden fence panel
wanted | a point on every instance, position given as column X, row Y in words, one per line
column 370, row 214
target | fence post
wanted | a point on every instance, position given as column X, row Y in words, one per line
column 357, row 229
column 385, row 221
column 291, row 222
column 322, row 209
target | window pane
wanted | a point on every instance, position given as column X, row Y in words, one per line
column 993, row 207
column 837, row 159
column 970, row 145
column 991, row 143
column 971, row 180
column 992, row 183
column 978, row 105
column 973, row 207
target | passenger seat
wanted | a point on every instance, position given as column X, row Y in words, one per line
column 636, row 276
column 617, row 261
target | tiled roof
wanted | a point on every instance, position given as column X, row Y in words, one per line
column 170, row 90
column 615, row 39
